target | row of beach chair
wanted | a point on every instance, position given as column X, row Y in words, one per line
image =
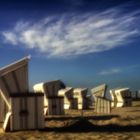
column 21, row 109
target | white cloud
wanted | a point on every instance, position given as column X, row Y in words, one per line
column 123, row 69
column 72, row 35
column 10, row 37
column 110, row 72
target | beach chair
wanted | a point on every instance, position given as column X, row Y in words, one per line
column 50, row 90
column 81, row 95
column 123, row 96
column 137, row 94
column 101, row 103
column 114, row 99
column 15, row 93
column 69, row 101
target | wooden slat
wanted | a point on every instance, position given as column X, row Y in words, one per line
column 21, row 74
column 40, row 118
column 15, row 122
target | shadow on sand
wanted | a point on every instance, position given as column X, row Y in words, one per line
column 101, row 117
column 84, row 125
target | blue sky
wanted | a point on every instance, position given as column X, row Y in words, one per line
column 82, row 42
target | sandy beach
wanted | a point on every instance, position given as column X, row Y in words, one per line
column 122, row 123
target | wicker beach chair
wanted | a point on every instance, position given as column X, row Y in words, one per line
column 53, row 104
column 15, row 94
column 69, row 101
column 81, row 95
column 123, row 97
column 101, row 103
column 114, row 99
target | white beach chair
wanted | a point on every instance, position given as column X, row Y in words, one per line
column 50, row 90
column 69, row 101
column 113, row 97
column 81, row 95
column 13, row 79
column 137, row 94
column 13, row 86
column 123, row 96
column 101, row 103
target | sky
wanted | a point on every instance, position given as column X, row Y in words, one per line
column 82, row 42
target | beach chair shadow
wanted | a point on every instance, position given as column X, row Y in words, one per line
column 88, row 126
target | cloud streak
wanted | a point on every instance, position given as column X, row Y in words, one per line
column 111, row 71
column 116, row 70
column 73, row 34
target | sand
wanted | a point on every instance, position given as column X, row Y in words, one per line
column 121, row 124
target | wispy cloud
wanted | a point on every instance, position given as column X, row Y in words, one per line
column 123, row 69
column 110, row 71
column 73, row 34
